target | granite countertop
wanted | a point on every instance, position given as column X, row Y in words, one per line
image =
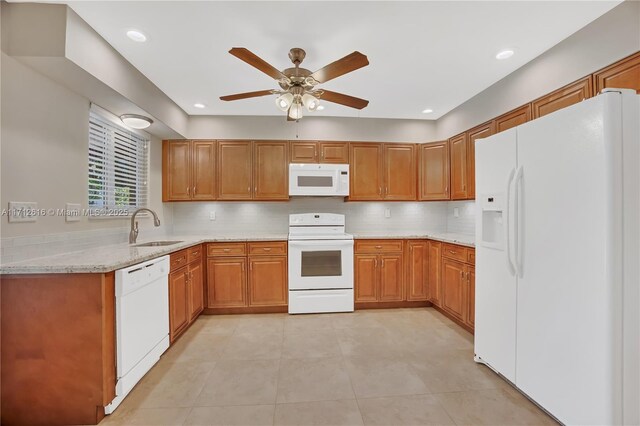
column 116, row 256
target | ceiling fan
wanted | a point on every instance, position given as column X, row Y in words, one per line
column 299, row 85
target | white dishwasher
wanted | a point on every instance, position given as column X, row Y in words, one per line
column 142, row 322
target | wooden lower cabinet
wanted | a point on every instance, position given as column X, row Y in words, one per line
column 391, row 278
column 379, row 271
column 195, row 290
column 186, row 290
column 366, row 278
column 227, row 282
column 178, row 303
column 416, row 285
column 268, row 281
column 434, row 249
column 453, row 287
column 470, row 318
column 458, row 284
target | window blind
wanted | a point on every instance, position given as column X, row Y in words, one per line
column 118, row 166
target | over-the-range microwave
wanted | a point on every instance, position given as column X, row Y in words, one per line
column 320, row 180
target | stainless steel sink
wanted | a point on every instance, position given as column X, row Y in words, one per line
column 157, row 243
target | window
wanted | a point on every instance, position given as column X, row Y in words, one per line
column 118, row 165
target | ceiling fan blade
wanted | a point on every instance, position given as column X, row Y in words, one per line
column 340, row 67
column 342, row 99
column 256, row 62
column 246, row 95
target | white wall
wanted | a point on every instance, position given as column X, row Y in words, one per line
column 609, row 38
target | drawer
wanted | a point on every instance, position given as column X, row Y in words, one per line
column 226, row 249
column 194, row 253
column 471, row 256
column 453, row 251
column 378, row 246
column 268, row 248
column 178, row 259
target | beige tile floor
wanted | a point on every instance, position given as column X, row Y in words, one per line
column 376, row 367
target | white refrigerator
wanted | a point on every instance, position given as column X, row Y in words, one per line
column 557, row 255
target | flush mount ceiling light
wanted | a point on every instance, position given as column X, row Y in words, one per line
column 320, row 108
column 298, row 86
column 427, row 111
column 136, row 35
column 504, row 54
column 199, row 105
column 136, row 121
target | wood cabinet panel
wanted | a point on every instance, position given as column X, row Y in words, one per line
column 482, row 131
column 564, row 97
column 366, row 278
column 194, row 253
column 378, row 246
column 434, row 171
column 513, row 118
column 304, row 152
column 400, row 181
column 196, row 290
column 453, row 287
column 366, row 176
column 470, row 315
column 624, row 74
column 176, row 170
column 226, row 249
column 268, row 248
column 178, row 259
column 203, row 169
column 391, row 278
column 178, row 303
column 227, row 282
column 434, row 249
column 271, row 170
column 234, row 170
column 334, row 152
column 267, row 280
column 458, row 165
column 455, row 252
column 416, row 277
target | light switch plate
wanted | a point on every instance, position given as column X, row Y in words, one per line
column 387, row 213
column 72, row 212
column 23, row 211
column 212, row 215
column 456, row 212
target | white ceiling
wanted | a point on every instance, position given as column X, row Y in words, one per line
column 422, row 54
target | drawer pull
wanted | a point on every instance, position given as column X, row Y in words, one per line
column 266, row 248
column 453, row 251
column 378, row 247
column 195, row 253
column 226, row 250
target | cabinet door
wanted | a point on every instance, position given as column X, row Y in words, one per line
column 435, row 272
column 482, row 131
column 400, row 178
column 268, row 281
column 196, row 290
column 417, row 270
column 458, row 152
column 366, row 173
column 391, row 278
column 178, row 303
column 513, row 118
column 176, row 170
column 271, row 170
column 624, row 74
column 304, row 152
column 227, row 282
column 203, row 167
column 564, row 97
column 234, row 170
column 434, row 171
column 366, row 278
column 453, row 287
column 334, row 152
column 470, row 317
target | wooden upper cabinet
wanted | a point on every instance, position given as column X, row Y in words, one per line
column 434, row 171
column 458, row 152
column 564, row 97
column 513, row 118
column 366, row 278
column 176, row 170
column 271, row 170
column 624, row 74
column 203, row 169
column 366, row 171
column 304, row 152
column 434, row 249
column 482, row 131
column 334, row 152
column 416, row 287
column 400, row 181
column 268, row 281
column 234, row 170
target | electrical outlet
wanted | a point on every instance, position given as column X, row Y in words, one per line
column 456, row 212
column 72, row 212
column 212, row 215
column 23, row 211
column 387, row 213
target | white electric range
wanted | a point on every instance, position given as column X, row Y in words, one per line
column 320, row 264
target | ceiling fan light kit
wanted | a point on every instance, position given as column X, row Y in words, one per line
column 298, row 85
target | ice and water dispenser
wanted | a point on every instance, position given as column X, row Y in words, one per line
column 492, row 206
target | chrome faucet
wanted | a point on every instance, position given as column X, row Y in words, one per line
column 133, row 234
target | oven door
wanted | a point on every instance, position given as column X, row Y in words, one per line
column 320, row 264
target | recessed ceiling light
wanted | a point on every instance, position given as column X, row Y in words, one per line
column 427, row 111
column 504, row 54
column 199, row 105
column 136, row 35
column 136, row 121
column 320, row 108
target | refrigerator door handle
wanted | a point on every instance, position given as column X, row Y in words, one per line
column 517, row 182
column 510, row 260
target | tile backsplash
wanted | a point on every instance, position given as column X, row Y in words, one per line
column 465, row 222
